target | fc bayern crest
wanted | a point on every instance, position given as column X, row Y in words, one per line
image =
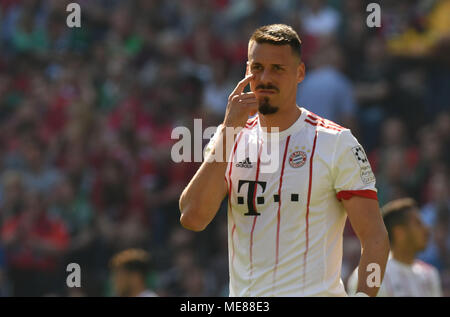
column 297, row 159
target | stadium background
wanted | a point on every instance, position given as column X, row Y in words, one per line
column 86, row 116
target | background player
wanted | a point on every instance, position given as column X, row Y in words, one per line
column 130, row 269
column 405, row 275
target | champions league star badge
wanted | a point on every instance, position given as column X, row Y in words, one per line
column 297, row 159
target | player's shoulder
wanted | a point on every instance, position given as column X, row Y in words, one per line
column 251, row 123
column 330, row 135
column 323, row 126
column 424, row 267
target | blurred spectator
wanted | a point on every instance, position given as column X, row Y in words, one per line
column 4, row 282
column 393, row 160
column 319, row 19
column 34, row 243
column 418, row 27
column 216, row 91
column 436, row 215
column 372, row 89
column 38, row 176
column 354, row 36
column 171, row 281
column 443, row 133
column 121, row 215
column 430, row 159
column 326, row 91
column 260, row 12
column 78, row 217
column 13, row 192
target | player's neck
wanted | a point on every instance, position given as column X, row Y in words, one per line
column 138, row 290
column 403, row 256
column 281, row 120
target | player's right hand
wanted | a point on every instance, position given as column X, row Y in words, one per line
column 240, row 105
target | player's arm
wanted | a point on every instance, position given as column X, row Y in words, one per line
column 202, row 197
column 365, row 218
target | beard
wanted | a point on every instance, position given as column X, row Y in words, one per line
column 265, row 107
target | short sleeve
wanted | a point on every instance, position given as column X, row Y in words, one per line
column 352, row 173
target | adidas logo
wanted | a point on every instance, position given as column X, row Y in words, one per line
column 245, row 163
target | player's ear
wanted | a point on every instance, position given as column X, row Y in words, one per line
column 247, row 69
column 301, row 72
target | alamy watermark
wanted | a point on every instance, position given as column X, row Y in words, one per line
column 262, row 147
column 374, row 278
column 74, row 18
column 74, row 278
column 373, row 19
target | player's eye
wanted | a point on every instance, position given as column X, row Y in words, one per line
column 277, row 67
column 257, row 67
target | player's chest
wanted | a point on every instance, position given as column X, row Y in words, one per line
column 275, row 173
column 408, row 283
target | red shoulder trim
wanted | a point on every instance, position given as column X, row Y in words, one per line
column 322, row 125
column 251, row 123
column 318, row 119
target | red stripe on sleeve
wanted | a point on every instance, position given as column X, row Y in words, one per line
column 347, row 194
column 322, row 125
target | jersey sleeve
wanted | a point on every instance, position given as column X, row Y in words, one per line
column 351, row 170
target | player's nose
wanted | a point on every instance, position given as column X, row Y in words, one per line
column 264, row 77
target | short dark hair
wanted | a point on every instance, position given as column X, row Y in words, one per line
column 395, row 213
column 131, row 260
column 278, row 34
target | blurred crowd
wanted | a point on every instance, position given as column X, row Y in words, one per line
column 86, row 116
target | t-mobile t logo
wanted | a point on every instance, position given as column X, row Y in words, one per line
column 252, row 186
column 259, row 200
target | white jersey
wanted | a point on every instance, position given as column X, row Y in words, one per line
column 285, row 227
column 402, row 280
column 147, row 293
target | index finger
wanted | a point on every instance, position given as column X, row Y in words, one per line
column 241, row 85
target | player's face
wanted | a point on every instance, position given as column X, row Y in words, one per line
column 121, row 283
column 417, row 232
column 277, row 73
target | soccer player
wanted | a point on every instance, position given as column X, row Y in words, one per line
column 130, row 268
column 285, row 227
column 405, row 275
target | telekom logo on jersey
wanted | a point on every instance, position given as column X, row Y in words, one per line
column 191, row 146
